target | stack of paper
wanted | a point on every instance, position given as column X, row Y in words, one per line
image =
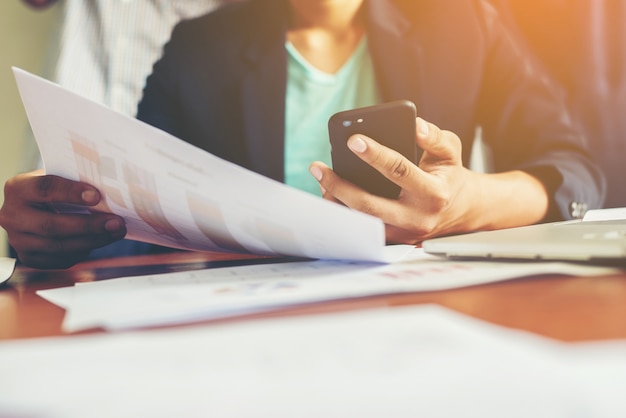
column 221, row 292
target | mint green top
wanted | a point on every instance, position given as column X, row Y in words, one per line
column 312, row 97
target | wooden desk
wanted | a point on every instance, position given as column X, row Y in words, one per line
column 565, row 308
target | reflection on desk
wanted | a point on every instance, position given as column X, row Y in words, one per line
column 563, row 308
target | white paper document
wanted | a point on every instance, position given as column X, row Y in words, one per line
column 181, row 297
column 174, row 194
column 609, row 214
column 423, row 361
column 7, row 265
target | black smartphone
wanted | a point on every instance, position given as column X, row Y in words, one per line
column 391, row 124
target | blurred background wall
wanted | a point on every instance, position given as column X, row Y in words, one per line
column 24, row 37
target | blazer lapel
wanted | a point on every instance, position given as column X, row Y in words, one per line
column 263, row 91
column 395, row 53
column 397, row 59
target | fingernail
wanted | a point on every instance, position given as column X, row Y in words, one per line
column 113, row 225
column 89, row 196
column 422, row 127
column 357, row 144
column 316, row 172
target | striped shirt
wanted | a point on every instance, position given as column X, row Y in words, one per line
column 106, row 48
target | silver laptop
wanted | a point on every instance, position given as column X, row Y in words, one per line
column 589, row 241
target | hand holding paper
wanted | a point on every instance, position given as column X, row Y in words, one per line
column 167, row 191
column 50, row 239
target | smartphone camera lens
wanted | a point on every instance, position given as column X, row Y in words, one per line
column 347, row 123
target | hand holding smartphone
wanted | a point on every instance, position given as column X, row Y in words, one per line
column 390, row 124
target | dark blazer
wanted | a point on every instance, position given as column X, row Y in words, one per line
column 583, row 45
column 220, row 85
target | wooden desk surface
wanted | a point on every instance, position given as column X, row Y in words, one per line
column 564, row 308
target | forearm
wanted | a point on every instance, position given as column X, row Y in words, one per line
column 526, row 125
column 505, row 200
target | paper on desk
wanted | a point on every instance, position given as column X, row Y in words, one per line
column 7, row 266
column 222, row 292
column 609, row 214
column 397, row 362
column 60, row 296
column 174, row 194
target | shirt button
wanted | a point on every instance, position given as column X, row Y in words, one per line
column 577, row 209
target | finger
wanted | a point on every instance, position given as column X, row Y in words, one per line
column 331, row 183
column 48, row 261
column 402, row 224
column 66, row 246
column 51, row 189
column 439, row 146
column 396, row 235
column 52, row 250
column 346, row 193
column 388, row 162
column 329, row 196
column 59, row 253
column 59, row 225
column 317, row 171
column 52, row 260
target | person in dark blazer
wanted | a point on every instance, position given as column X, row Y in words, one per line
column 237, row 82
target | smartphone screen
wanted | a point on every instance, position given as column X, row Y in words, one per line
column 390, row 124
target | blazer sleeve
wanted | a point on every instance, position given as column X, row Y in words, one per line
column 533, row 130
